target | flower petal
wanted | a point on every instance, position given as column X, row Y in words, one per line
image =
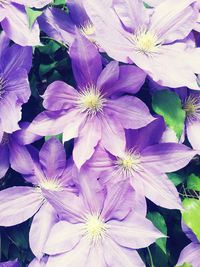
column 86, row 61
column 41, row 225
column 53, row 158
column 89, row 137
column 16, row 26
column 4, row 160
column 58, row 242
column 167, row 157
column 193, row 133
column 59, row 95
column 190, row 254
column 17, row 204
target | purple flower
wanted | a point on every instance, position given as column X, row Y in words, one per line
column 10, row 264
column 47, row 170
column 62, row 26
column 13, row 150
column 190, row 254
column 100, row 227
column 89, row 114
column 15, row 23
column 129, row 33
column 144, row 163
column 38, row 263
column 15, row 63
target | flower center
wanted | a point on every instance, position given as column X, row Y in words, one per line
column 95, row 227
column 51, row 185
column 192, row 106
column 145, row 42
column 88, row 29
column 91, row 101
column 5, row 139
column 128, row 164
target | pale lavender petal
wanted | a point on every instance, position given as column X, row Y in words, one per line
column 16, row 26
column 57, row 24
column 89, row 137
column 131, row 13
column 158, row 188
column 4, row 160
column 52, row 158
column 130, row 111
column 128, row 233
column 4, row 40
column 25, row 137
column 190, row 254
column 20, row 158
column 193, row 133
column 2, row 13
column 59, row 95
column 167, row 157
column 113, row 135
column 174, row 21
column 19, row 203
column 10, row 108
column 33, row 3
column 120, row 200
column 49, row 123
column 41, row 226
column 86, row 61
column 64, row 236
column 117, row 256
column 76, row 257
column 38, row 263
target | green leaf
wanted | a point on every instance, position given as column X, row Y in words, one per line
column 59, row 2
column 185, row 265
column 58, row 136
column 168, row 105
column 159, row 222
column 32, row 14
column 50, row 48
column 191, row 215
column 193, row 182
column 176, row 178
column 44, row 69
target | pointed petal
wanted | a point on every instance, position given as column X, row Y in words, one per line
column 53, row 158
column 167, row 157
column 33, row 3
column 58, row 242
column 16, row 26
column 20, row 158
column 118, row 256
column 113, row 135
column 70, row 258
column 159, row 189
column 59, row 95
column 174, row 21
column 130, row 111
column 49, row 123
column 41, row 225
column 17, row 204
column 89, row 137
column 128, row 233
column 86, row 61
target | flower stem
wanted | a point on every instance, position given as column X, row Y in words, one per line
column 150, row 256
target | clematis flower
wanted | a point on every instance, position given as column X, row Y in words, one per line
column 190, row 254
column 10, row 264
column 89, row 114
column 13, row 150
column 48, row 170
column 38, row 263
column 100, row 227
column 15, row 63
column 62, row 26
column 144, row 163
column 15, row 23
column 129, row 33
